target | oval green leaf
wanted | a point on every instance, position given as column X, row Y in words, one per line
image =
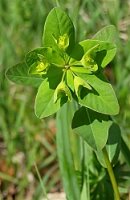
column 92, row 127
column 44, row 102
column 101, row 98
column 19, row 74
column 56, row 26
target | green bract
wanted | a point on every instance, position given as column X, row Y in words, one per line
column 79, row 83
column 62, row 90
column 64, row 67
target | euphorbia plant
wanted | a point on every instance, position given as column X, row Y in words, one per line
column 71, row 83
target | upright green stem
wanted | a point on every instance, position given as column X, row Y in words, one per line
column 111, row 174
column 57, row 3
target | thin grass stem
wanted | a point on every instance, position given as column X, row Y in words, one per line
column 41, row 182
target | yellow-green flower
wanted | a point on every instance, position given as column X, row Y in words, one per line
column 61, row 90
column 62, row 42
column 38, row 68
column 78, row 83
column 89, row 63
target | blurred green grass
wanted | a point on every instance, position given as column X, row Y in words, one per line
column 25, row 140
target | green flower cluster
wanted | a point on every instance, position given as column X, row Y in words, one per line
column 66, row 70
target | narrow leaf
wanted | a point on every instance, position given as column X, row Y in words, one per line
column 70, row 79
column 65, row 154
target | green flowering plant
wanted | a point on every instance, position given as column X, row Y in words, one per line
column 62, row 67
column 66, row 72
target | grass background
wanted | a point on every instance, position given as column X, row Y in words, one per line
column 25, row 141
